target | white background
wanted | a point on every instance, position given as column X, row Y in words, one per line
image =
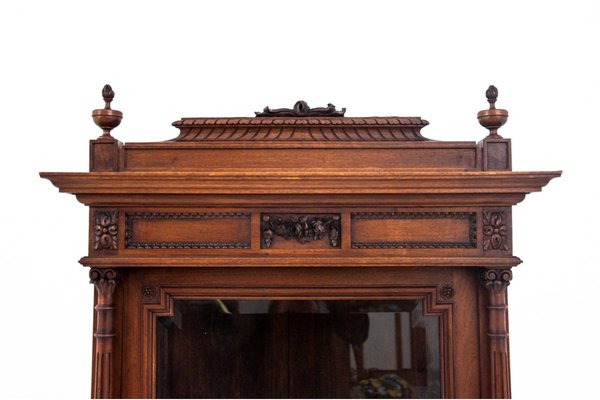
column 166, row 60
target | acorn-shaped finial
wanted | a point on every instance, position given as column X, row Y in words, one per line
column 492, row 118
column 108, row 95
column 106, row 118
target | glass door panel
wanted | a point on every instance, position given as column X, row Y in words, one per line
column 298, row 349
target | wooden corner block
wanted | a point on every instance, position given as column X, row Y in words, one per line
column 496, row 154
column 104, row 155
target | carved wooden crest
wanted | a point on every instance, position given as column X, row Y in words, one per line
column 302, row 109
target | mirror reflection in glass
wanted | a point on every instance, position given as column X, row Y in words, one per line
column 298, row 349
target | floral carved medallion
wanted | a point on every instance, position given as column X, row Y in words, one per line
column 495, row 231
column 105, row 230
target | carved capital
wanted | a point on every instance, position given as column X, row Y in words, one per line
column 302, row 228
column 105, row 281
column 106, row 230
column 496, row 280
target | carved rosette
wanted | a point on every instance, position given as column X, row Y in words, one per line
column 302, row 228
column 106, row 230
column 495, row 231
column 496, row 280
column 149, row 295
column 447, row 292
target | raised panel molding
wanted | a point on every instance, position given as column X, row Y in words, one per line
column 133, row 242
column 402, row 243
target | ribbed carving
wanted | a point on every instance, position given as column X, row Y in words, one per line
column 102, row 382
column 188, row 215
column 500, row 374
column 414, row 215
column 301, row 129
column 188, row 245
column 412, row 245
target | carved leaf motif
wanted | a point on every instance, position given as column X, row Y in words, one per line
column 106, row 230
column 495, row 231
column 302, row 228
column 496, row 279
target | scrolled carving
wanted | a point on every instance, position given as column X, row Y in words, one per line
column 495, row 231
column 302, row 109
column 105, row 281
column 496, row 280
column 302, row 228
column 106, row 230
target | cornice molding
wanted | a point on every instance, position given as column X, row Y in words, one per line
column 306, row 182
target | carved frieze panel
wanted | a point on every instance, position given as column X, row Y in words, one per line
column 187, row 230
column 106, row 230
column 303, row 228
column 414, row 230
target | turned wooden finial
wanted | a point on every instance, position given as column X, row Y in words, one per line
column 106, row 118
column 108, row 95
column 492, row 118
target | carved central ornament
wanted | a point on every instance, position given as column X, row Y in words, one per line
column 302, row 228
column 302, row 109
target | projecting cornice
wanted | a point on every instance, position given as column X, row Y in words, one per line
column 502, row 187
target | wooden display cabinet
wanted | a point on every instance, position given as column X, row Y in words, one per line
column 300, row 253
